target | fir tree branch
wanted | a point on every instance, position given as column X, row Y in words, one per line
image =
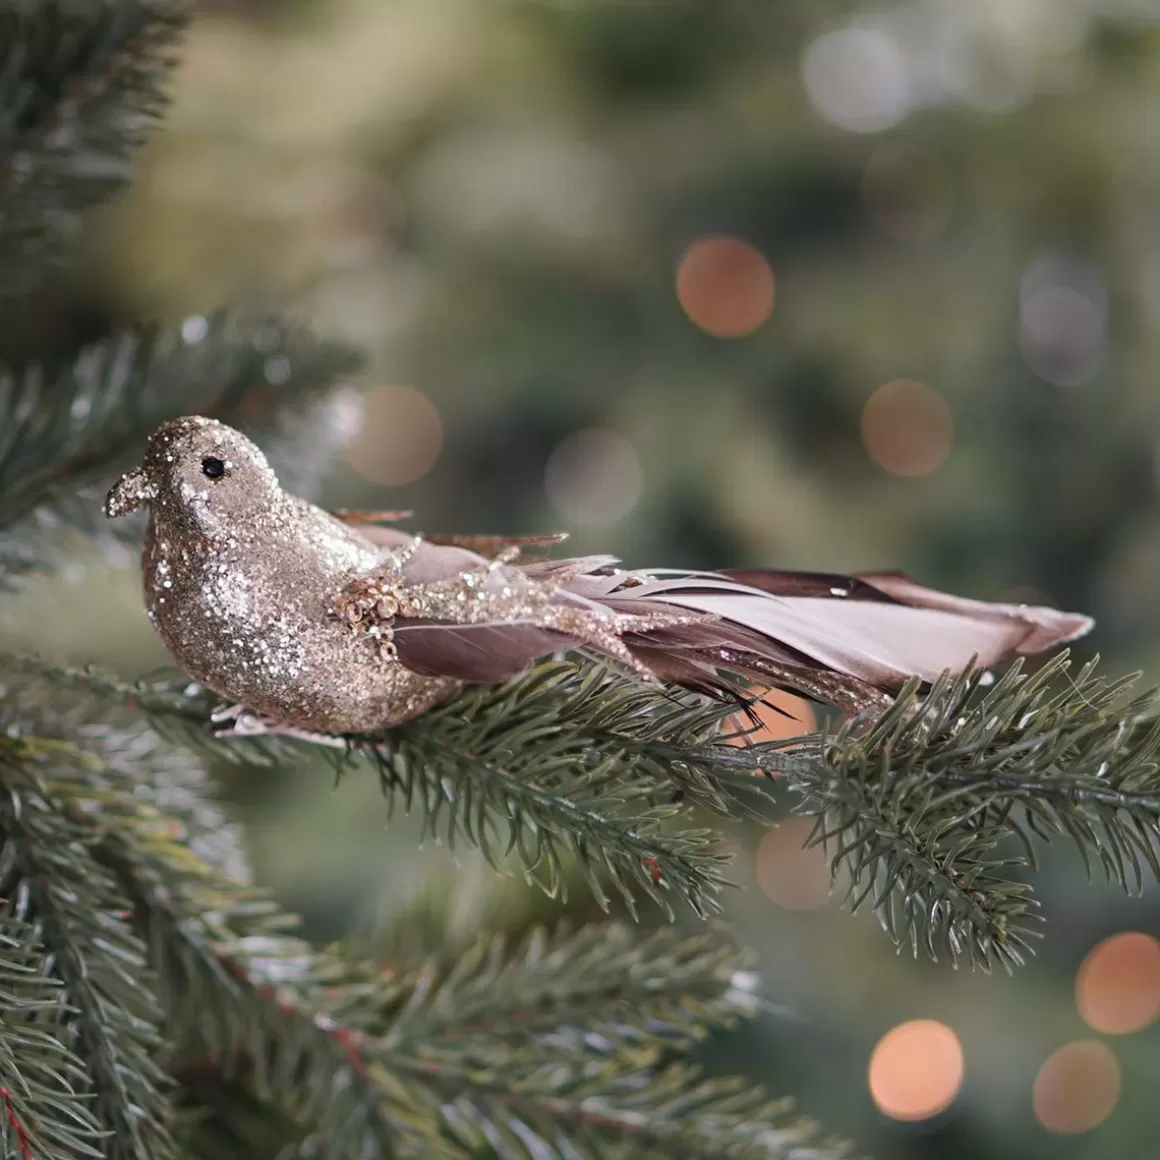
column 179, row 711
column 43, row 1086
column 932, row 809
column 340, row 1043
column 544, row 804
column 671, row 1114
column 236, row 988
column 563, row 1065
column 47, row 869
column 62, row 427
column 301, row 1061
column 80, row 86
column 170, row 785
column 602, row 990
column 554, row 1046
column 130, row 762
column 575, row 760
column 514, row 758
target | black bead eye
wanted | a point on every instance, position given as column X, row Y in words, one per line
column 213, row 468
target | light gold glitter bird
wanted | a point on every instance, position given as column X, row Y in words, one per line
column 327, row 624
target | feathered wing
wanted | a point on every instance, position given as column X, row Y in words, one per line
column 845, row 640
column 369, row 523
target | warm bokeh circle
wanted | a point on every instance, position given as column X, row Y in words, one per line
column 401, row 437
column 1077, row 1087
column 1117, row 988
column 725, row 286
column 907, row 428
column 916, row 1070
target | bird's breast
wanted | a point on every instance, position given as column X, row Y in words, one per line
column 230, row 623
column 254, row 627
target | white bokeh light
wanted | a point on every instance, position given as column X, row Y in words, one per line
column 1063, row 320
column 593, row 476
column 857, row 78
column 989, row 74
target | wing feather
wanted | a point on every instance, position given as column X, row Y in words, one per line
column 844, row 639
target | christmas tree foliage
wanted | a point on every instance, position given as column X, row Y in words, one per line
column 155, row 1003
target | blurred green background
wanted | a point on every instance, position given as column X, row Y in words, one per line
column 706, row 282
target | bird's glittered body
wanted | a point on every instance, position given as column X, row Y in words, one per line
column 335, row 624
column 247, row 614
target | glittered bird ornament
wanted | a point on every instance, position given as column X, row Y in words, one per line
column 326, row 624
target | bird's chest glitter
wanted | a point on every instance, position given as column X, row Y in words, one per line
column 217, row 616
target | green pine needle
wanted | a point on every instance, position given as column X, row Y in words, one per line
column 66, row 426
column 178, row 710
column 80, row 86
column 932, row 812
column 113, row 1024
column 567, row 763
column 233, row 985
column 48, row 1105
column 596, row 993
column 671, row 1114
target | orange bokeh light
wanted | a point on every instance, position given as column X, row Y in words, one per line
column 1117, row 988
column 401, row 437
column 788, row 873
column 725, row 286
column 780, row 715
column 907, row 428
column 916, row 1070
column 1077, row 1087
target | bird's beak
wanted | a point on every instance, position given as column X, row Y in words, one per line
column 131, row 491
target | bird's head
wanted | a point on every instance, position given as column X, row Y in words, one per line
column 198, row 472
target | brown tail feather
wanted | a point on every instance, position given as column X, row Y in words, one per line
column 909, row 631
column 845, row 640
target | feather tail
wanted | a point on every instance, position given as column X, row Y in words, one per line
column 850, row 641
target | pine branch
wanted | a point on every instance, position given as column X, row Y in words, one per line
column 177, row 710
column 575, row 760
column 47, row 869
column 562, row 1062
column 376, row 1061
column 80, row 86
column 514, row 758
column 600, row 991
column 66, row 427
column 43, row 1086
column 672, row 1114
column 545, row 804
column 172, row 787
column 933, row 809
column 127, row 760
column 555, row 1047
column 290, row 1055
column 235, row 988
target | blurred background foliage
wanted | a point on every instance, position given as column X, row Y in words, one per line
column 792, row 282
